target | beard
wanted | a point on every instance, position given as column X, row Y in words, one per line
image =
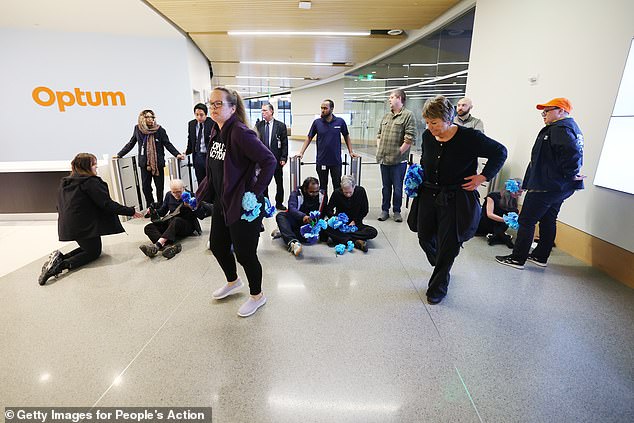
column 463, row 112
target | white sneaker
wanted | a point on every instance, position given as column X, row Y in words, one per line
column 227, row 290
column 295, row 248
column 251, row 306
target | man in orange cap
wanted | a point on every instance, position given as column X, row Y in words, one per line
column 551, row 177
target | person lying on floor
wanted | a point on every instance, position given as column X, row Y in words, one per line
column 353, row 201
column 301, row 202
column 173, row 220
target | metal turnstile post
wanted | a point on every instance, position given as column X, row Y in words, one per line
column 127, row 184
column 355, row 169
column 295, row 173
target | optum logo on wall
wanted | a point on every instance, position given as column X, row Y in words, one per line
column 46, row 97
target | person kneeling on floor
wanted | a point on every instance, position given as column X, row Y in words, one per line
column 176, row 220
column 353, row 201
column 496, row 205
column 301, row 202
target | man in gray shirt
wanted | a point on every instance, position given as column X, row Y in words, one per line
column 396, row 134
column 464, row 117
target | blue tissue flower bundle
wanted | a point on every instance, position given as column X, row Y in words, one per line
column 340, row 248
column 269, row 210
column 311, row 230
column 413, row 178
column 512, row 186
column 340, row 222
column 188, row 199
column 511, row 220
column 251, row 207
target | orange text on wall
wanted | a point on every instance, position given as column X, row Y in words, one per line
column 46, row 97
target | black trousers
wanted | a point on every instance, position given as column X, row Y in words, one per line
column 498, row 229
column 289, row 227
column 89, row 250
column 174, row 228
column 279, row 183
column 146, row 184
column 244, row 237
column 364, row 233
column 441, row 245
column 200, row 166
column 335, row 174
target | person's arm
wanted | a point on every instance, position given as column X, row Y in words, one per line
column 126, row 148
column 250, row 146
column 363, row 204
column 568, row 151
column 311, row 134
column 293, row 206
column 191, row 137
column 410, row 133
column 479, row 125
column 162, row 211
column 97, row 190
column 284, row 142
column 332, row 205
column 346, row 138
column 495, row 153
column 490, row 211
column 170, row 147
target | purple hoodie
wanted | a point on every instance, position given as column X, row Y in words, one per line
column 244, row 154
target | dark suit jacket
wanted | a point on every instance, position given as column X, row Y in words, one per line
column 191, row 134
column 279, row 138
column 162, row 142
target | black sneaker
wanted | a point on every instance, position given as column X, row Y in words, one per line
column 150, row 250
column 52, row 267
column 281, row 207
column 171, row 250
column 434, row 300
column 509, row 261
column 535, row 260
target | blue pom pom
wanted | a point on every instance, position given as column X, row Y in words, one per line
column 321, row 224
column 314, row 215
column 343, row 218
column 186, row 196
column 413, row 178
column 511, row 220
column 193, row 203
column 512, row 186
column 350, row 245
column 249, row 201
column 340, row 249
column 269, row 210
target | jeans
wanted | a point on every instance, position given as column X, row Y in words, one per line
column 392, row 177
column 542, row 207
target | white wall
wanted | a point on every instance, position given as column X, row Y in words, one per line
column 577, row 49
column 127, row 49
column 306, row 104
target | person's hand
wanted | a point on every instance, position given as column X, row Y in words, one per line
column 352, row 223
column 474, row 182
column 137, row 215
column 282, row 163
column 579, row 177
column 115, row 157
column 306, row 219
column 403, row 148
column 300, row 155
column 181, row 157
column 353, row 155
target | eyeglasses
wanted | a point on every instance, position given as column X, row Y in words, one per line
column 313, row 193
column 545, row 111
column 217, row 104
column 149, row 117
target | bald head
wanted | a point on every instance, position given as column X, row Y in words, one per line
column 464, row 106
column 176, row 188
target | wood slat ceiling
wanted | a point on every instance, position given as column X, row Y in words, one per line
column 207, row 21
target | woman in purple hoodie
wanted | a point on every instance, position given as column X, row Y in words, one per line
column 238, row 162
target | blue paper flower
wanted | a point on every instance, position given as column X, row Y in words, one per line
column 343, row 218
column 251, row 207
column 413, row 178
column 340, row 249
column 334, row 223
column 314, row 215
column 511, row 220
column 512, row 186
column 350, row 245
column 188, row 199
column 193, row 203
column 269, row 210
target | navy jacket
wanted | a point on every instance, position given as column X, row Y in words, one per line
column 160, row 138
column 170, row 204
column 556, row 158
column 192, row 134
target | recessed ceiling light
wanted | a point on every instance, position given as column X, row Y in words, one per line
column 395, row 32
column 306, row 5
column 273, row 77
column 292, row 63
column 303, row 33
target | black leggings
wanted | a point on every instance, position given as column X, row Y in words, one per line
column 89, row 250
column 244, row 236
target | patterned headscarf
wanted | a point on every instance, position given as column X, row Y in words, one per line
column 152, row 161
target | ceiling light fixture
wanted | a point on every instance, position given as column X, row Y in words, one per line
column 303, row 33
column 395, row 32
column 306, row 5
column 274, row 77
column 295, row 63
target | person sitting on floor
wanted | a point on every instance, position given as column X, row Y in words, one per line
column 175, row 220
column 353, row 201
column 495, row 206
column 301, row 202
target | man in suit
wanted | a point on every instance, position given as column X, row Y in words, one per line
column 198, row 134
column 273, row 134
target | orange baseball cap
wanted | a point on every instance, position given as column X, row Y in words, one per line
column 562, row 103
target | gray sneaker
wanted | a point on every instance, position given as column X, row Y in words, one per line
column 383, row 216
column 150, row 250
column 398, row 217
column 227, row 290
column 251, row 306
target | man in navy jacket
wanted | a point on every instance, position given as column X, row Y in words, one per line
column 274, row 135
column 198, row 133
column 551, row 177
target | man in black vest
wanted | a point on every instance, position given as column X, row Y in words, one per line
column 198, row 134
column 273, row 134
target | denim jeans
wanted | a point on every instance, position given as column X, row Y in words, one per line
column 542, row 207
column 392, row 177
